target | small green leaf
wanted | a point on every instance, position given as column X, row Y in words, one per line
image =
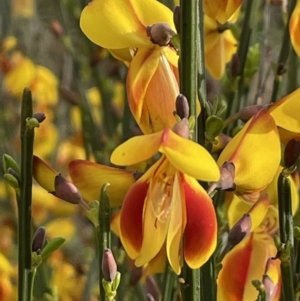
column 175, row 42
column 9, row 161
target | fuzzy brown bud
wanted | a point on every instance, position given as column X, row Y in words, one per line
column 182, row 128
column 109, row 266
column 66, row 190
column 39, row 116
column 160, row 33
column 182, row 106
column 240, row 230
column 38, row 240
column 247, row 112
column 227, row 176
column 57, row 29
column 235, row 65
column 291, row 152
column 176, row 18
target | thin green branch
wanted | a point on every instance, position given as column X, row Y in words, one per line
column 284, row 52
column 24, row 204
column 286, row 254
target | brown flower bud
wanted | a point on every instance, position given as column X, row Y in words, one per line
column 291, row 152
column 240, row 230
column 57, row 29
column 38, row 240
column 160, row 33
column 109, row 266
column 227, row 176
column 176, row 18
column 66, row 190
column 182, row 128
column 39, row 116
column 247, row 112
column 182, row 106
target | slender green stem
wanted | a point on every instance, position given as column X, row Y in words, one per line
column 24, row 205
column 104, row 239
column 168, row 284
column 208, row 281
column 188, row 56
column 242, row 55
column 286, row 236
column 31, row 281
column 284, row 52
column 202, row 95
column 188, row 86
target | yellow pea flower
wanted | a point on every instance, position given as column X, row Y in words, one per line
column 121, row 26
column 221, row 10
column 167, row 203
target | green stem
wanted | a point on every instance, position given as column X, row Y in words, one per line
column 168, row 284
column 202, row 95
column 24, row 205
column 286, row 236
column 188, row 56
column 208, row 281
column 242, row 55
column 188, row 65
column 284, row 52
column 104, row 240
column 31, row 282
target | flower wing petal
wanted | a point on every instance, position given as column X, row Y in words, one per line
column 89, row 177
column 122, row 24
column 189, row 157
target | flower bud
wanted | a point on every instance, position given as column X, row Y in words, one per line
column 152, row 288
column 39, row 116
column 291, row 152
column 109, row 266
column 182, row 128
column 182, row 106
column 66, row 190
column 57, row 29
column 240, row 230
column 160, row 33
column 227, row 176
column 38, row 240
column 150, row 297
column 247, row 112
column 176, row 18
column 12, row 172
column 32, row 122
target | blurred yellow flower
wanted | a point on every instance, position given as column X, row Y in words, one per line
column 295, row 28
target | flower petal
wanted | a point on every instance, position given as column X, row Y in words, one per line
column 136, row 149
column 131, row 218
column 255, row 152
column 152, row 89
column 285, row 112
column 176, row 225
column 44, row 174
column 89, row 177
column 201, row 227
column 257, row 212
column 244, row 263
column 189, row 157
column 122, row 24
column 295, row 28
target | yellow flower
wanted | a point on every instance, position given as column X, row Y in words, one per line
column 221, row 10
column 285, row 114
column 255, row 153
column 121, row 26
column 247, row 261
column 220, row 45
column 167, row 203
column 295, row 28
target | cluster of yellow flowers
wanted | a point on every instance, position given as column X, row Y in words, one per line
column 165, row 216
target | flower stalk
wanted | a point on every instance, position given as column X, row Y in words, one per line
column 24, row 203
column 286, row 249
